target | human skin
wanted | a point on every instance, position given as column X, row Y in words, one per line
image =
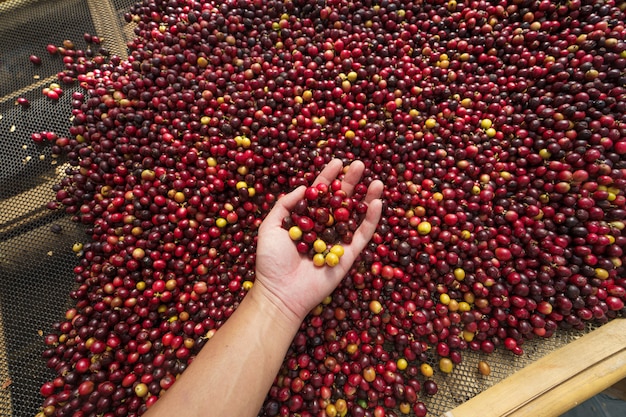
column 233, row 372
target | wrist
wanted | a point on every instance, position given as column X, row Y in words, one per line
column 266, row 302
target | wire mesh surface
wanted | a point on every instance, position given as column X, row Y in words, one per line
column 36, row 257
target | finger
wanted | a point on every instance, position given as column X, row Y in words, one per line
column 283, row 207
column 352, row 177
column 330, row 172
column 374, row 191
column 367, row 228
column 364, row 233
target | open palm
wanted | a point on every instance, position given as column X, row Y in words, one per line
column 289, row 278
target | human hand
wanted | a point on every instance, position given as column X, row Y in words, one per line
column 289, row 279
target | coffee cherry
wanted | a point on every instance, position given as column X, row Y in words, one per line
column 484, row 368
column 311, row 214
column 295, row 233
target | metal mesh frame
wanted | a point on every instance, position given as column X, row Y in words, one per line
column 466, row 382
column 36, row 257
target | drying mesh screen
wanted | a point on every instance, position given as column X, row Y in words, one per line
column 466, row 382
column 36, row 257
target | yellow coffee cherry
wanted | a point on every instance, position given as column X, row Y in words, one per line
column 444, row 299
column 464, row 306
column 179, row 196
column 468, row 336
column 375, row 306
column 602, row 273
column 342, row 407
column 337, row 250
column 446, row 365
column 426, row 370
column 319, row 259
column 332, row 259
column 295, row 233
column 424, row 228
column 405, row 408
column 319, row 246
column 459, row 274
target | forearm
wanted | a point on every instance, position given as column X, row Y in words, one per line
column 234, row 371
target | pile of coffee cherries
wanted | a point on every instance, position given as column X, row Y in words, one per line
column 497, row 127
column 324, row 220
